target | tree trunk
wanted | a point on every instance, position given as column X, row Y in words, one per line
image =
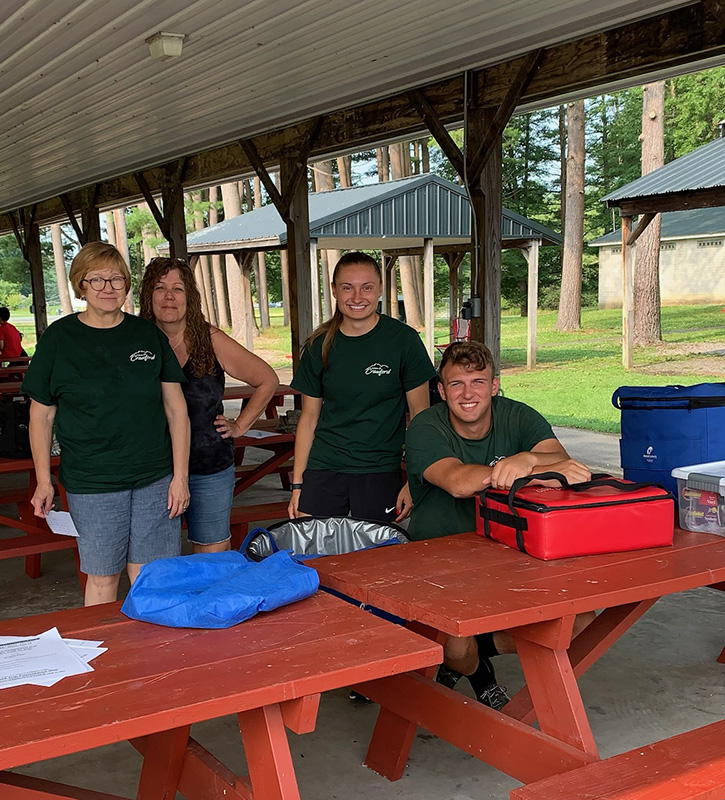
column 62, row 277
column 647, row 328
column 119, row 218
column 110, row 228
column 570, row 299
column 149, row 251
column 326, row 278
column 220, row 289
column 202, row 271
column 383, row 158
column 344, row 168
column 425, row 156
column 233, row 208
column 562, row 163
column 260, row 273
column 406, row 265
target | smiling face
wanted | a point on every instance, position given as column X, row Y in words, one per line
column 169, row 298
column 106, row 300
column 468, row 394
column 357, row 288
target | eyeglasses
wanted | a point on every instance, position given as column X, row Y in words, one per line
column 98, row 284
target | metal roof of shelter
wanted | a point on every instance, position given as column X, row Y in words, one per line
column 381, row 216
column 703, row 168
column 86, row 102
column 678, row 225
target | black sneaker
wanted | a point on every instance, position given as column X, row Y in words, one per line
column 493, row 696
column 356, row 697
column 448, row 677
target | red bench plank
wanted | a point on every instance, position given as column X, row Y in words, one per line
column 690, row 766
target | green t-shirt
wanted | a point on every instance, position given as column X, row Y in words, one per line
column 106, row 382
column 362, row 423
column 515, row 428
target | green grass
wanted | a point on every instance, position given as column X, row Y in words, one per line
column 576, row 373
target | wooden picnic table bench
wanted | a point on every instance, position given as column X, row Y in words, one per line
column 237, row 391
column 464, row 585
column 690, row 766
column 154, row 682
column 280, row 445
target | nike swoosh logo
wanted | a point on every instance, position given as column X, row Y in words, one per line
column 388, row 510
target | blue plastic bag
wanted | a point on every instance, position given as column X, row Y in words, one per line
column 216, row 590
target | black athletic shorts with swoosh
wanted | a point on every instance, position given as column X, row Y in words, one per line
column 372, row 496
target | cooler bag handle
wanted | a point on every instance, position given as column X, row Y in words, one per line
column 248, row 539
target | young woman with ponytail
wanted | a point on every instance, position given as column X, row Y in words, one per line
column 357, row 373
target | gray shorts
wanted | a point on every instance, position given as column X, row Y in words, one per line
column 132, row 526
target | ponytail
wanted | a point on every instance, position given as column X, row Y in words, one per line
column 329, row 329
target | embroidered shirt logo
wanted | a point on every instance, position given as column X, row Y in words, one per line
column 378, row 369
column 649, row 456
column 142, row 355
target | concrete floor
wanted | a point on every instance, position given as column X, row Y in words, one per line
column 660, row 679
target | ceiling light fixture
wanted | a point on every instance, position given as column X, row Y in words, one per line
column 163, row 46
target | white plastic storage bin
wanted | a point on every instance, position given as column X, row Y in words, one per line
column 701, row 492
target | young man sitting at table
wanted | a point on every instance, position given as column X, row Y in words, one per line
column 475, row 438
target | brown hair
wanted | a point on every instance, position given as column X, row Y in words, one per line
column 197, row 333
column 95, row 255
column 469, row 355
column 332, row 326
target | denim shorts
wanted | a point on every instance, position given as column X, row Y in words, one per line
column 207, row 517
column 132, row 526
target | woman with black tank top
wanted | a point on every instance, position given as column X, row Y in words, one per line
column 171, row 299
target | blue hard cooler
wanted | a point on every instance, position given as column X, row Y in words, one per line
column 664, row 427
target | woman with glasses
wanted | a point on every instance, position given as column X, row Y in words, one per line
column 171, row 299
column 109, row 383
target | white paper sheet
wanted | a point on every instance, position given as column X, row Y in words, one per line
column 60, row 522
column 253, row 433
column 40, row 660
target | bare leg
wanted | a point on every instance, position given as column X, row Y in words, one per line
column 101, row 589
column 461, row 654
column 132, row 570
column 217, row 547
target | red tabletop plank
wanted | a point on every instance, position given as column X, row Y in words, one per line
column 466, row 584
column 154, row 678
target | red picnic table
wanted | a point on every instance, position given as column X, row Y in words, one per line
column 242, row 391
column 37, row 537
column 11, row 387
column 154, row 682
column 464, row 585
column 280, row 445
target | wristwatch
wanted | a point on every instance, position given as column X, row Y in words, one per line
column 294, row 486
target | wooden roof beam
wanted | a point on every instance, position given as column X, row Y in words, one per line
column 676, row 201
column 676, row 39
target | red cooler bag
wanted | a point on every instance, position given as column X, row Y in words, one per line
column 603, row 515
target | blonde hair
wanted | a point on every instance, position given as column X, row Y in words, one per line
column 96, row 255
column 330, row 328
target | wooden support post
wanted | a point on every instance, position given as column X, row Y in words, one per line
column 88, row 229
column 315, row 283
column 246, row 261
column 292, row 205
column 298, row 254
column 385, row 279
column 487, row 211
column 532, row 257
column 429, row 297
column 27, row 234
column 627, row 294
column 170, row 217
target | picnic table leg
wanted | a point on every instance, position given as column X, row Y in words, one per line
column 586, row 649
column 551, row 681
column 721, row 657
column 25, row 513
column 164, row 755
column 393, row 735
column 271, row 771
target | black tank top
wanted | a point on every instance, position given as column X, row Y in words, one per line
column 209, row 453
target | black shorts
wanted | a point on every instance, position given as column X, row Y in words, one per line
column 372, row 496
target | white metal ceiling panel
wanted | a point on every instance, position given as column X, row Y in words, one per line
column 82, row 100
